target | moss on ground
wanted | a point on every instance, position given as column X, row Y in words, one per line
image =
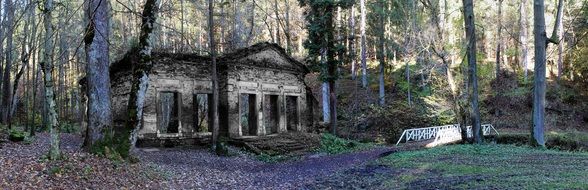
column 489, row 166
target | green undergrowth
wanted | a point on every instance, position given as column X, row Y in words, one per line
column 16, row 135
column 275, row 158
column 489, row 166
column 332, row 144
column 113, row 146
column 570, row 141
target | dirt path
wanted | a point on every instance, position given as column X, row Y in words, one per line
column 181, row 168
column 201, row 169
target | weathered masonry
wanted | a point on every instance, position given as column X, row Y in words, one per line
column 261, row 89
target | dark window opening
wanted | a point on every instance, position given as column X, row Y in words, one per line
column 202, row 118
column 248, row 114
column 271, row 114
column 169, row 112
column 292, row 113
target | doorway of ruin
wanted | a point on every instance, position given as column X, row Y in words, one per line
column 169, row 112
column 248, row 116
column 201, row 114
column 271, row 114
column 292, row 119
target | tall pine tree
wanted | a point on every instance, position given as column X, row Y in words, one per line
column 323, row 49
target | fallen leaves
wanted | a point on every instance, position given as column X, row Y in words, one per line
column 23, row 166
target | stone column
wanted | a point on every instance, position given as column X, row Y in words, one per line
column 233, row 109
column 282, row 125
column 260, row 98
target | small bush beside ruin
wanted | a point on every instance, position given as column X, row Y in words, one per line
column 334, row 145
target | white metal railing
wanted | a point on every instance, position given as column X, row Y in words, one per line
column 487, row 130
column 421, row 134
column 442, row 134
column 448, row 135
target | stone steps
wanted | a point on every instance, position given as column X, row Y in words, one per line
column 281, row 144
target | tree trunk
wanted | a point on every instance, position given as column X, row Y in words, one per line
column 14, row 100
column 560, row 43
column 214, row 108
column 222, row 41
column 276, row 13
column 471, row 58
column 25, row 54
column 523, row 24
column 251, row 23
column 381, row 54
column 6, row 88
column 2, row 30
column 541, row 42
column 364, row 79
column 97, row 73
column 140, row 80
column 538, row 130
column 47, row 64
column 183, row 42
column 499, row 39
column 63, row 59
column 326, row 101
column 407, row 73
column 32, row 23
column 236, row 33
column 352, row 42
column 287, row 30
column 331, row 69
column 326, row 95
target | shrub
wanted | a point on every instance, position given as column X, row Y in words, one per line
column 16, row 135
column 334, row 145
column 272, row 159
column 112, row 145
column 68, row 128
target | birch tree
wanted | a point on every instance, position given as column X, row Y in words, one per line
column 141, row 70
column 47, row 65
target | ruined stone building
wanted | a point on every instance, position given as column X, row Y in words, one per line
column 261, row 90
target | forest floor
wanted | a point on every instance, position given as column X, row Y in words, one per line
column 23, row 166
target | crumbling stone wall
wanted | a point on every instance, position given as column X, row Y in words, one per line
column 252, row 74
column 256, row 72
column 168, row 75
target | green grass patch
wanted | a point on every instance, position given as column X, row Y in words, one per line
column 334, row 145
column 496, row 166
